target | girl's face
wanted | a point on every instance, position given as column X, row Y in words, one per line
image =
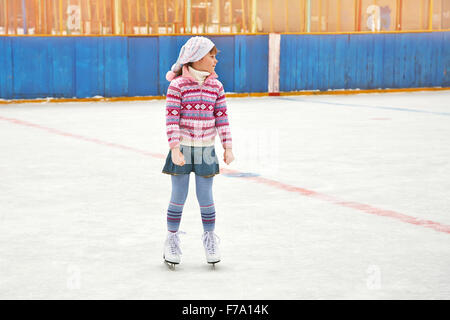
column 207, row 63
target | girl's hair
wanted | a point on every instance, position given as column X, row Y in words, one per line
column 214, row 50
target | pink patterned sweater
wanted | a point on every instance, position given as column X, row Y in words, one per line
column 194, row 113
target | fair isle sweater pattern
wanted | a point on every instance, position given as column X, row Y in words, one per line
column 194, row 113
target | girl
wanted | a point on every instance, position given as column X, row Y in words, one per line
column 195, row 110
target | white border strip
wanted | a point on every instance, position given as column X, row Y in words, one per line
column 274, row 62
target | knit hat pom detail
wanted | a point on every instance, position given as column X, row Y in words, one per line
column 170, row 75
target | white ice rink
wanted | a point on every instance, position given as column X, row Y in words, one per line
column 348, row 198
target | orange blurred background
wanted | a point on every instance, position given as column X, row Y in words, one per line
column 128, row 17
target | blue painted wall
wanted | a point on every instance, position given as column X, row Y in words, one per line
column 364, row 61
column 39, row 67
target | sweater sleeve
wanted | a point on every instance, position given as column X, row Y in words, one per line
column 173, row 107
column 222, row 124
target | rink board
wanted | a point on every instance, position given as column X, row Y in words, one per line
column 367, row 61
column 129, row 66
column 81, row 67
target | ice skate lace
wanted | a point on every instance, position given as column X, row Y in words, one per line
column 174, row 242
column 210, row 241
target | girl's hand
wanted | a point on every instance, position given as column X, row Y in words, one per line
column 177, row 157
column 228, row 156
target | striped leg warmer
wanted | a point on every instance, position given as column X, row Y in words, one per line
column 205, row 199
column 180, row 188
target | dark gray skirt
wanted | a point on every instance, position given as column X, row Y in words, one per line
column 201, row 160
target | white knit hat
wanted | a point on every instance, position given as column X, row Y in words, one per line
column 193, row 50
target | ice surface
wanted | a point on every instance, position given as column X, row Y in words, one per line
column 83, row 201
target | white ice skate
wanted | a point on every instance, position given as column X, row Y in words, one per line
column 172, row 251
column 211, row 244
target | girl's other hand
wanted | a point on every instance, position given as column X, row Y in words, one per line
column 228, row 156
column 178, row 157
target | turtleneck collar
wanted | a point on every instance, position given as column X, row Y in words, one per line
column 198, row 75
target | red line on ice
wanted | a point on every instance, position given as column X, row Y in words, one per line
column 80, row 137
column 350, row 204
column 273, row 183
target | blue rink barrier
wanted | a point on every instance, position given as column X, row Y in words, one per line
column 364, row 61
column 126, row 66
column 81, row 67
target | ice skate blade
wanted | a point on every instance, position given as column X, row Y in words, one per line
column 171, row 265
column 213, row 265
column 171, row 262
